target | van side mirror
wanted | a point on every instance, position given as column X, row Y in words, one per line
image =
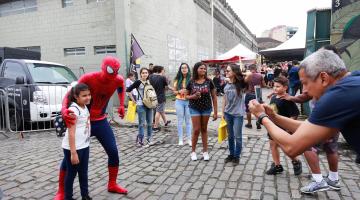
column 20, row 80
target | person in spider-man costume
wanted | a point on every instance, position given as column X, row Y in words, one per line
column 102, row 85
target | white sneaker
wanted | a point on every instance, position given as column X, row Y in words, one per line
column 181, row 142
column 193, row 156
column 206, row 156
column 189, row 142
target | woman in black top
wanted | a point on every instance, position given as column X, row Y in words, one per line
column 201, row 93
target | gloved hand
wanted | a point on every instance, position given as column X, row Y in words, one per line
column 68, row 116
column 121, row 111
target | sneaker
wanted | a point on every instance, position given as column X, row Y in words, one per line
column 86, row 198
column 236, row 161
column 206, row 156
column 181, row 142
column 248, row 125
column 149, row 142
column 275, row 169
column 230, row 158
column 357, row 160
column 167, row 122
column 189, row 142
column 193, row 156
column 258, row 126
column 139, row 142
column 335, row 185
column 314, row 186
column 297, row 167
column 155, row 130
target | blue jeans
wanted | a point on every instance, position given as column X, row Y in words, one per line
column 234, row 128
column 144, row 114
column 183, row 112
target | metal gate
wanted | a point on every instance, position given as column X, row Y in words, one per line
column 2, row 111
column 32, row 107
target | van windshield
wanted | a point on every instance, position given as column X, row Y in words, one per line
column 47, row 73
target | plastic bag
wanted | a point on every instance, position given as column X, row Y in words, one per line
column 222, row 131
column 131, row 112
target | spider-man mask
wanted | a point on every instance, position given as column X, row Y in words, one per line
column 109, row 68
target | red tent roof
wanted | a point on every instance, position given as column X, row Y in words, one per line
column 229, row 60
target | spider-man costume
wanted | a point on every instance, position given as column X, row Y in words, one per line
column 102, row 85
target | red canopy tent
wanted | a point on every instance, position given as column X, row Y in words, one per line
column 234, row 59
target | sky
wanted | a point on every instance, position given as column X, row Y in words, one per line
column 260, row 15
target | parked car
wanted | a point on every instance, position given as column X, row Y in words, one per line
column 35, row 89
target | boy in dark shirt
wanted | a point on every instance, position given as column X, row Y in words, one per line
column 288, row 109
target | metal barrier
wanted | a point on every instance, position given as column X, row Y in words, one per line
column 33, row 107
column 2, row 111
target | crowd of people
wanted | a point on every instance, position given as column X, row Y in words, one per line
column 320, row 79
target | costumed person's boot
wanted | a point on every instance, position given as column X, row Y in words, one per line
column 112, row 186
column 61, row 191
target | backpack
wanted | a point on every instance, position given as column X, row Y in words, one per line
column 149, row 97
column 59, row 124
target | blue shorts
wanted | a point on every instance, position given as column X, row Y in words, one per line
column 270, row 77
column 195, row 112
column 248, row 98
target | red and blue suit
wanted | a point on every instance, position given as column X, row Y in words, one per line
column 102, row 85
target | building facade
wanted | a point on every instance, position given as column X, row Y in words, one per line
column 280, row 33
column 79, row 33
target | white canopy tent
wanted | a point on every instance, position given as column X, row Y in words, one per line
column 241, row 51
column 296, row 42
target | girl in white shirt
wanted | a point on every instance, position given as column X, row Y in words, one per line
column 77, row 140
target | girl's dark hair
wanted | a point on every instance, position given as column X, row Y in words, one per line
column 195, row 70
column 239, row 79
column 75, row 92
column 144, row 68
column 180, row 77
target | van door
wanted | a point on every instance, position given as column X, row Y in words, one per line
column 19, row 95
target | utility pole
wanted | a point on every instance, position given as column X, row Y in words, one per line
column 212, row 29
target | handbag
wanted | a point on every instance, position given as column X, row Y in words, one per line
column 131, row 112
column 222, row 131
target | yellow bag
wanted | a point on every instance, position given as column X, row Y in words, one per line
column 131, row 112
column 222, row 131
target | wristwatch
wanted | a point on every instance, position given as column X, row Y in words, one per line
column 261, row 117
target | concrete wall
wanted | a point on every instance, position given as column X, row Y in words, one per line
column 153, row 22
column 55, row 28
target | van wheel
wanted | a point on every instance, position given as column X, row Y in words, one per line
column 15, row 120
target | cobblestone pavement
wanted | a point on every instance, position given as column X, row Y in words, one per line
column 29, row 169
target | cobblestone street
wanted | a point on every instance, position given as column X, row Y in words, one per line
column 29, row 169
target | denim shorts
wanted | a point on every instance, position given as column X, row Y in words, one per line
column 195, row 112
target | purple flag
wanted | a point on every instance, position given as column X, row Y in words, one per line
column 136, row 51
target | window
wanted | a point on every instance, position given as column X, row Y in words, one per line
column 66, row 3
column 46, row 73
column 13, row 70
column 17, row 7
column 76, row 51
column 177, row 53
column 109, row 49
column 31, row 48
column 91, row 1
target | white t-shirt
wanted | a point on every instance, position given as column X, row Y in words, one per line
column 82, row 132
column 129, row 82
